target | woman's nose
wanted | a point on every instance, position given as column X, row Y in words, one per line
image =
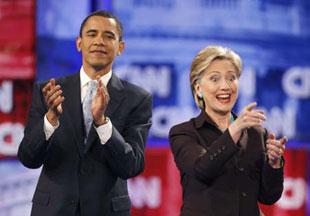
column 224, row 84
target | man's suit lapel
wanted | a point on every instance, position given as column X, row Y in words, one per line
column 72, row 94
column 115, row 89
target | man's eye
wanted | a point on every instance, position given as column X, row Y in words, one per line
column 111, row 37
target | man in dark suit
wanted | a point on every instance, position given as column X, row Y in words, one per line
column 85, row 166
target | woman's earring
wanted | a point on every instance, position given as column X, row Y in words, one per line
column 199, row 95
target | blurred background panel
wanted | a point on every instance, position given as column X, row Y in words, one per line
column 37, row 42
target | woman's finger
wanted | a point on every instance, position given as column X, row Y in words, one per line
column 250, row 106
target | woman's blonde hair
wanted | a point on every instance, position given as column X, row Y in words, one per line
column 203, row 59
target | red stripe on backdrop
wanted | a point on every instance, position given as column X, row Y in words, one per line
column 157, row 191
column 17, row 22
column 17, row 64
column 15, row 99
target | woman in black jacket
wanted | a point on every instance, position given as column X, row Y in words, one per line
column 227, row 163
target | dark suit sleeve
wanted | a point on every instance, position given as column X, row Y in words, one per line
column 193, row 159
column 125, row 152
column 271, row 185
column 33, row 149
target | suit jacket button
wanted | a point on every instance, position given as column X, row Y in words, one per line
column 72, row 202
column 244, row 194
column 241, row 169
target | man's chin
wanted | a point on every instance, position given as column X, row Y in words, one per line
column 99, row 67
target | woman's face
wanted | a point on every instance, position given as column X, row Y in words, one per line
column 219, row 87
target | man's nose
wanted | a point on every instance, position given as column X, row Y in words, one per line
column 99, row 40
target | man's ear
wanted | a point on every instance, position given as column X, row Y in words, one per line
column 121, row 47
column 78, row 43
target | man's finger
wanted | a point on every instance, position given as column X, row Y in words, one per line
column 59, row 106
column 46, row 88
column 54, row 95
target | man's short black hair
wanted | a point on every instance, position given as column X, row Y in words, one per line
column 106, row 14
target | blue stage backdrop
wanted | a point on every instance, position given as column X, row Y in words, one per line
column 162, row 37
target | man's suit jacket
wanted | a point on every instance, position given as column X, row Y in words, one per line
column 91, row 177
column 219, row 177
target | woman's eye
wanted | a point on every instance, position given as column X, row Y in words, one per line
column 232, row 78
column 214, row 79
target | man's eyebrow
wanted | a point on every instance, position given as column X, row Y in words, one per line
column 110, row 32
